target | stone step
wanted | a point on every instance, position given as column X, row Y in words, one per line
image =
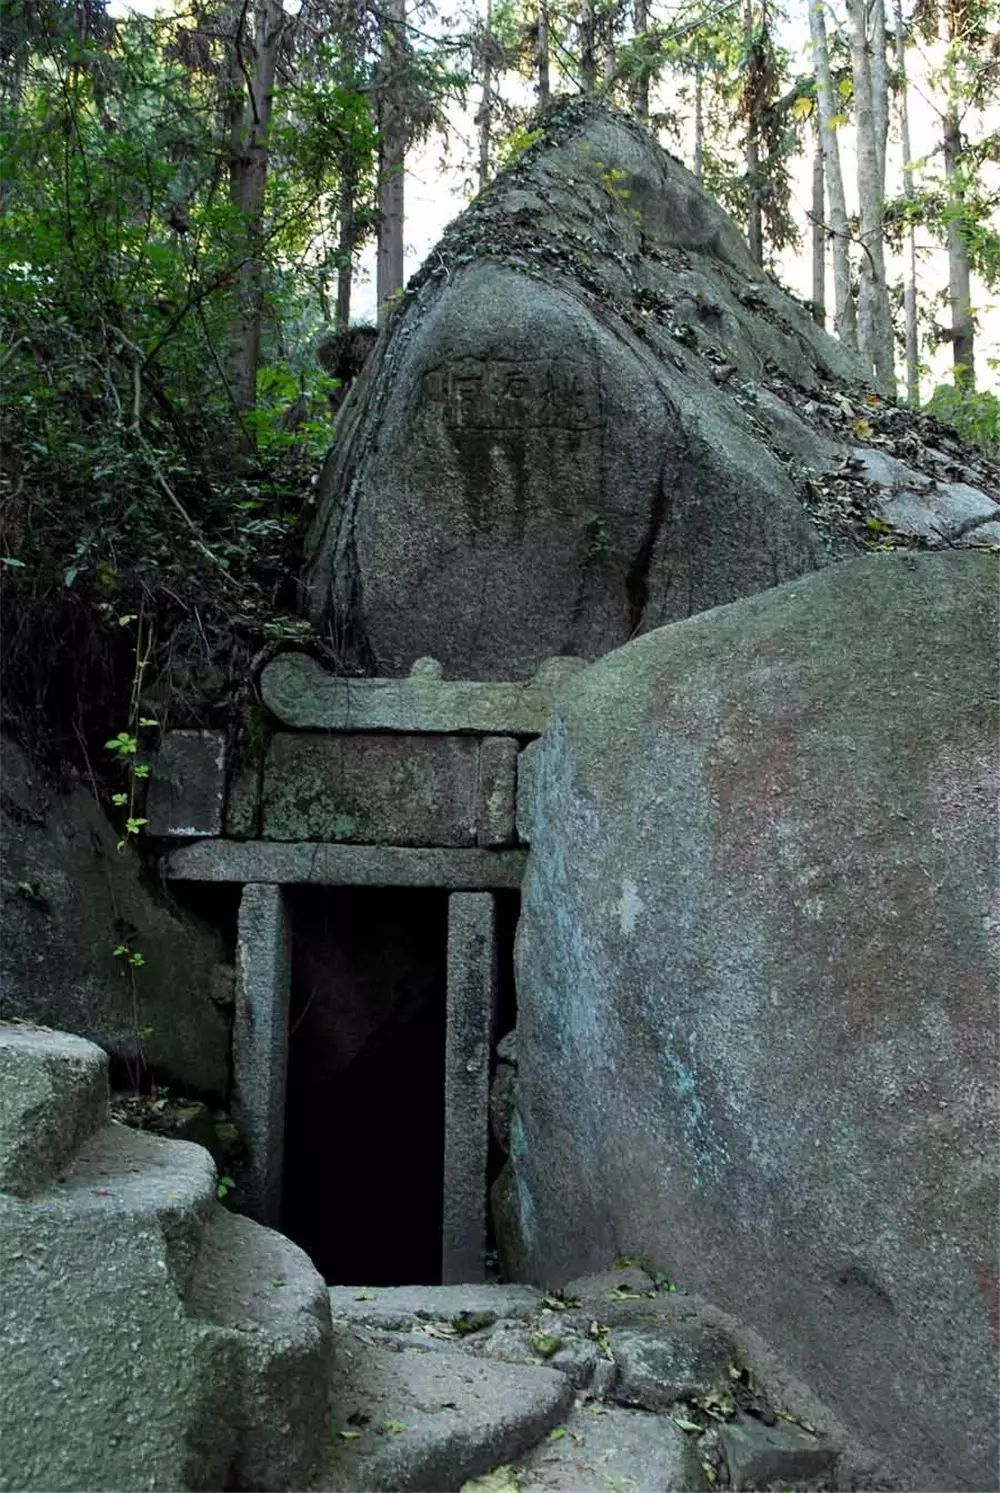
column 142, row 1181
column 603, row 1449
column 267, row 1299
column 426, row 1422
column 53, row 1096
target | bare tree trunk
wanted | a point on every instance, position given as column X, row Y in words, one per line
column 699, row 122
column 843, row 301
column 542, row 54
column 640, row 88
column 588, row 46
column 390, row 85
column 910, row 281
column 346, row 237
column 818, row 235
column 606, row 23
column 959, row 274
column 874, row 321
column 254, row 60
column 755, row 221
column 484, row 115
column 751, row 155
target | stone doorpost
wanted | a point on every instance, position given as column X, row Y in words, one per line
column 260, row 1042
column 471, row 1010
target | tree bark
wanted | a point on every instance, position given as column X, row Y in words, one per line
column 390, row 84
column 963, row 342
column 346, row 241
column 699, row 122
column 751, row 154
column 910, row 281
column 543, row 88
column 874, row 321
column 640, row 87
column 843, row 301
column 484, row 116
column 254, row 60
column 818, row 235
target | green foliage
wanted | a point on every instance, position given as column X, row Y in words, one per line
column 130, row 485
column 975, row 414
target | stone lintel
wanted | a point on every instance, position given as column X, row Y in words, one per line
column 345, row 865
column 303, row 694
column 187, row 789
column 260, row 1043
column 471, row 1009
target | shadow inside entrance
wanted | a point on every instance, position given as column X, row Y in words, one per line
column 364, row 1128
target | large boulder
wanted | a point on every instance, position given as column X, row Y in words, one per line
column 757, row 975
column 69, row 899
column 594, row 414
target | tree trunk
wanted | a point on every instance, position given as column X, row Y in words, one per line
column 699, row 122
column 390, row 86
column 874, row 321
column 254, row 62
column 484, row 116
column 959, row 274
column 588, row 46
column 640, row 86
column 542, row 55
column 843, row 301
column 818, row 235
column 346, row 239
column 751, row 154
column 608, row 57
column 910, row 281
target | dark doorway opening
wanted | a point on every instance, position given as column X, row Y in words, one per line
column 364, row 1126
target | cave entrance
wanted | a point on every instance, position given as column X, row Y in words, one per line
column 365, row 1108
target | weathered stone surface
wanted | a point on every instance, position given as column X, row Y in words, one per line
column 759, row 1455
column 757, row 963
column 346, row 865
column 53, row 1095
column 187, row 788
column 302, row 693
column 525, row 791
column 273, row 1308
column 143, row 1339
column 605, row 1450
column 69, row 899
column 393, row 1307
column 430, row 1421
column 371, row 790
column 471, row 1009
column 260, row 1043
column 608, row 416
column 656, row 1367
column 496, row 792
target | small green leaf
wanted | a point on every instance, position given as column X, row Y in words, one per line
column 686, row 1425
column 119, row 799
column 141, row 770
column 394, row 1427
column 558, row 1432
column 147, row 720
column 545, row 1345
column 12, row 562
column 349, row 1435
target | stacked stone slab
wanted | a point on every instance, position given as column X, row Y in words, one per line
column 150, row 1339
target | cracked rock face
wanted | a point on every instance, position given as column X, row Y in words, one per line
column 592, row 415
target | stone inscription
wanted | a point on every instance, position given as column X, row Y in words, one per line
column 495, row 394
